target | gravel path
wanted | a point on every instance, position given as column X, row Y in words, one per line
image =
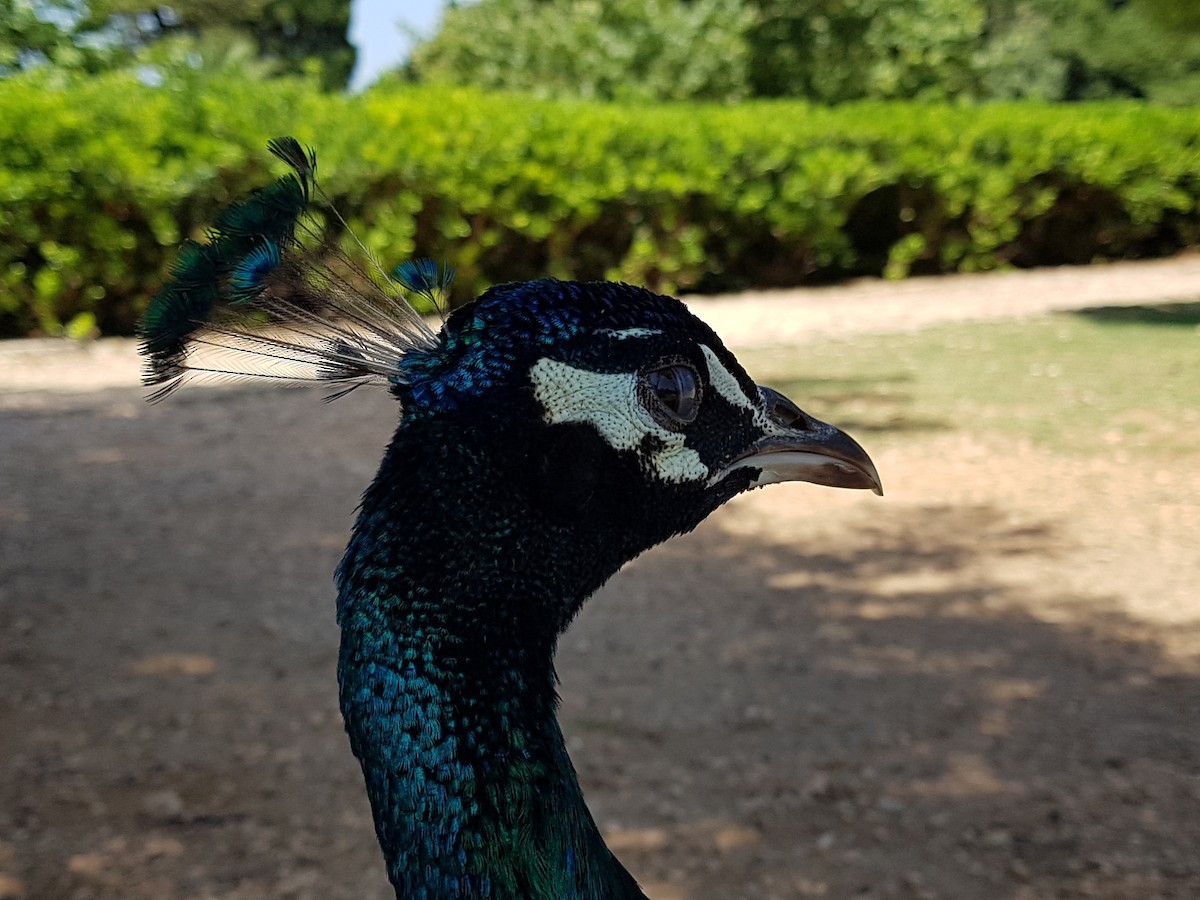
column 982, row 687
column 784, row 317
column 756, row 318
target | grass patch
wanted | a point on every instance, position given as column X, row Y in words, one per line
column 1075, row 382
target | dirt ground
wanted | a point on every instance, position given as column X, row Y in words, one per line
column 985, row 685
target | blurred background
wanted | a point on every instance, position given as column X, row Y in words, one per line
column 708, row 145
column 965, row 230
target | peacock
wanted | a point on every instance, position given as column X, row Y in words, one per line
column 549, row 432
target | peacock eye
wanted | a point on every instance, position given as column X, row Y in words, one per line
column 676, row 392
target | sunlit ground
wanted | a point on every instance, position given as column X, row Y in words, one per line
column 983, row 685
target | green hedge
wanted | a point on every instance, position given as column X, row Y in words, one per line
column 100, row 179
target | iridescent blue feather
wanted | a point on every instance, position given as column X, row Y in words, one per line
column 249, row 277
column 425, row 278
column 265, row 296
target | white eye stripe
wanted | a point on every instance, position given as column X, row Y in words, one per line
column 730, row 388
column 623, row 334
column 725, row 384
column 609, row 402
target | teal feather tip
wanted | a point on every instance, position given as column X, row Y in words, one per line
column 303, row 162
column 425, row 278
column 270, row 212
column 248, row 242
column 265, row 263
column 248, row 278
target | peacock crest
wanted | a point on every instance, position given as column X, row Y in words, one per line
column 264, row 297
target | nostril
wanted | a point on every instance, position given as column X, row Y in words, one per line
column 783, row 411
column 788, row 416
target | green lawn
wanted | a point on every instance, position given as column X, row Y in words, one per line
column 1072, row 382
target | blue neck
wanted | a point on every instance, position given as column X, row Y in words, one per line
column 448, row 694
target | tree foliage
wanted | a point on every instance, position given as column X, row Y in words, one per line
column 675, row 196
column 831, row 51
column 838, row 50
column 292, row 36
column 52, row 33
column 1091, row 50
column 1174, row 13
column 616, row 50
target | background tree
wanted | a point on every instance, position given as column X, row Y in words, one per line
column 829, row 50
column 837, row 50
column 292, row 35
column 52, row 33
column 826, row 50
column 1091, row 50
column 623, row 49
column 1174, row 13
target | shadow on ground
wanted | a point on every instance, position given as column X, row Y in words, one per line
column 826, row 712
column 1146, row 314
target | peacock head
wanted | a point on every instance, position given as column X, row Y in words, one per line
column 616, row 402
column 611, row 411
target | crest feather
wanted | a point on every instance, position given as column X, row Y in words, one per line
column 257, row 300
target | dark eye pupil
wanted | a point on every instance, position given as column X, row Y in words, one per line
column 676, row 389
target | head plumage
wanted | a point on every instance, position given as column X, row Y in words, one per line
column 427, row 279
column 265, row 297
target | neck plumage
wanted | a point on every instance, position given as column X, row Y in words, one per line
column 450, row 610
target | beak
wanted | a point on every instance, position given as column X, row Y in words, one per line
column 798, row 447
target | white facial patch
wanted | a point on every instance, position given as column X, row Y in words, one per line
column 609, row 403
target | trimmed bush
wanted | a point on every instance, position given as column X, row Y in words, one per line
column 101, row 178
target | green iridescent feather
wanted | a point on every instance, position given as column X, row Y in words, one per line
column 253, row 272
